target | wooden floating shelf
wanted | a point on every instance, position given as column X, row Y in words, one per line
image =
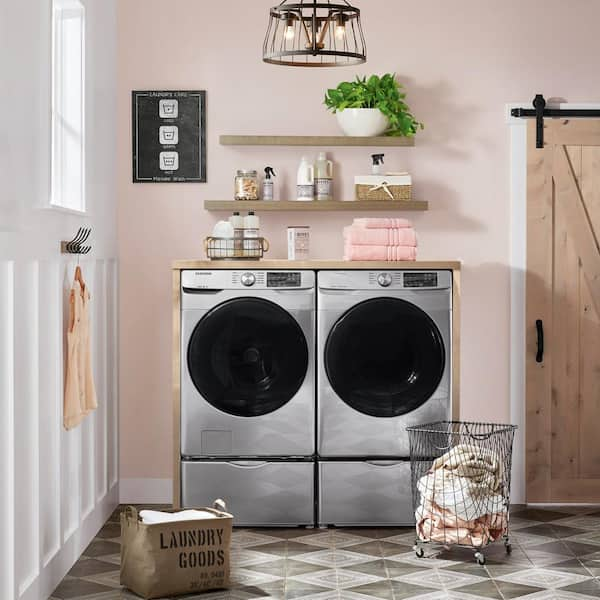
column 317, row 206
column 313, row 140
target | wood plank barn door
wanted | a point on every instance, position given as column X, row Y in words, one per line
column 563, row 312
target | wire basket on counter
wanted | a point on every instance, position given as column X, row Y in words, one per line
column 460, row 475
column 235, row 248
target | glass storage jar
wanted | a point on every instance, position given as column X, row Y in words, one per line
column 246, row 185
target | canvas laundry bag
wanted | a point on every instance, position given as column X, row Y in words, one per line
column 181, row 557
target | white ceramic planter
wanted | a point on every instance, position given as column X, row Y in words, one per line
column 362, row 122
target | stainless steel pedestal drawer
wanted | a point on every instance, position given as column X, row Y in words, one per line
column 257, row 492
column 376, row 492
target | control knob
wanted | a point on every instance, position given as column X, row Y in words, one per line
column 384, row 279
column 248, row 279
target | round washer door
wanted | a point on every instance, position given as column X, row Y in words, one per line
column 247, row 357
column 385, row 357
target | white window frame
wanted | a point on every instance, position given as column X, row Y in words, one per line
column 63, row 167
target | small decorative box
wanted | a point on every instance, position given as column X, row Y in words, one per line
column 383, row 187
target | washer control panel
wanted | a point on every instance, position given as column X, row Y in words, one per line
column 408, row 279
column 197, row 280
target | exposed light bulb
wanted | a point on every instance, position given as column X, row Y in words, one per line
column 340, row 27
column 289, row 32
column 340, row 32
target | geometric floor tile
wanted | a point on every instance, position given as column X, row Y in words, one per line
column 558, row 595
column 350, row 579
column 485, row 589
column 332, row 558
column 544, row 578
column 410, row 558
column 440, row 579
column 242, row 557
column 333, row 538
column 556, row 555
column 242, row 539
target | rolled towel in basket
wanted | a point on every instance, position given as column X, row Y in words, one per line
column 360, row 236
column 157, row 516
column 382, row 223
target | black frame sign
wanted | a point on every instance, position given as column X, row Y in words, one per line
column 169, row 140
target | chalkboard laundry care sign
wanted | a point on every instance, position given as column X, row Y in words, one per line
column 169, row 141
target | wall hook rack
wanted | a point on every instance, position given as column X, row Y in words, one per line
column 74, row 246
column 539, row 111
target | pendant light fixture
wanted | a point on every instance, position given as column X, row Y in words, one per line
column 314, row 34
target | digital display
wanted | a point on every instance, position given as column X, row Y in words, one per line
column 279, row 279
column 420, row 280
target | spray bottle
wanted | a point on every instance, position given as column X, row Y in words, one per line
column 268, row 190
column 377, row 162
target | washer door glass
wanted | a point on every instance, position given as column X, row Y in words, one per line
column 385, row 357
column 247, row 357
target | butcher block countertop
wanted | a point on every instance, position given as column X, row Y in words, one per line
column 452, row 265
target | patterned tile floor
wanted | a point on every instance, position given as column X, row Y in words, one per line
column 556, row 556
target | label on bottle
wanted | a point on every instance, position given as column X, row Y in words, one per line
column 267, row 190
column 305, row 192
column 324, row 188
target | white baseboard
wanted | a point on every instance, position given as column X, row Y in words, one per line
column 146, row 491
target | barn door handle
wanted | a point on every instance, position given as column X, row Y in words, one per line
column 539, row 326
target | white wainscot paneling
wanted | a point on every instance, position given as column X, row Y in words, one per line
column 65, row 483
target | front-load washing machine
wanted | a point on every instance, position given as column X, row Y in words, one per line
column 248, row 393
column 384, row 350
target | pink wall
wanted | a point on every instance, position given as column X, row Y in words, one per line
column 461, row 61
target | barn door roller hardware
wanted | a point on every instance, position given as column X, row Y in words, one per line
column 539, row 111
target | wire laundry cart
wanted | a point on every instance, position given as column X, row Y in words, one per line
column 460, row 475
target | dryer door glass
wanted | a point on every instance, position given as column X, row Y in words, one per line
column 247, row 357
column 385, row 357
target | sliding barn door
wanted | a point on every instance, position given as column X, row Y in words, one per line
column 563, row 313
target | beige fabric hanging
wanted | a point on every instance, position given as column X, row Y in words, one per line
column 80, row 392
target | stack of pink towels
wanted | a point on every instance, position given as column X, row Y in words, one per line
column 380, row 239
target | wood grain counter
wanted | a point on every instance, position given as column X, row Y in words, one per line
column 316, row 265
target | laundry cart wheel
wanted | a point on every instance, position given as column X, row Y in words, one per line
column 419, row 551
column 480, row 558
column 508, row 547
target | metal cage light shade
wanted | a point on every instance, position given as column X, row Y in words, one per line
column 314, row 34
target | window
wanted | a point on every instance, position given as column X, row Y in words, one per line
column 68, row 100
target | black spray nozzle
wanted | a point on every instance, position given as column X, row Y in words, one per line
column 377, row 159
column 268, row 172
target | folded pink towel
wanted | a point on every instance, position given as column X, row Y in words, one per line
column 379, row 252
column 360, row 236
column 382, row 223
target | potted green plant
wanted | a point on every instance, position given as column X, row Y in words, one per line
column 372, row 106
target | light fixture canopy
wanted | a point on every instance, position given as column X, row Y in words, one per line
column 314, row 34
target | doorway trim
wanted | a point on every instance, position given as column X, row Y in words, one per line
column 518, row 270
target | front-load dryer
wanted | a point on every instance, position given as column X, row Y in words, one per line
column 248, row 393
column 384, row 358
column 384, row 351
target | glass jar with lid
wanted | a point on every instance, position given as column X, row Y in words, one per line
column 246, row 184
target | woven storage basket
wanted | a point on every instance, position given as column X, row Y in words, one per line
column 400, row 192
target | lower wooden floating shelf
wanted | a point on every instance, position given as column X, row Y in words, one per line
column 320, row 206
